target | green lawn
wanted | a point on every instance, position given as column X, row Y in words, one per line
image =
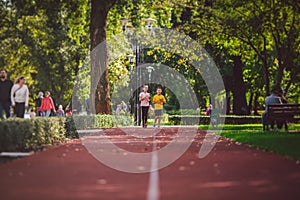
column 280, row 142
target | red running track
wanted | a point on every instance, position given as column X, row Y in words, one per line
column 230, row 171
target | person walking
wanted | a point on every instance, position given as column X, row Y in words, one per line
column 60, row 112
column 38, row 103
column 5, row 91
column 158, row 101
column 144, row 98
column 47, row 105
column 88, row 106
column 20, row 97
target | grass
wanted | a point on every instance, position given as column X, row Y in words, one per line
column 279, row 142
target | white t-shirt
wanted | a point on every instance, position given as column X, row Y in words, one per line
column 145, row 97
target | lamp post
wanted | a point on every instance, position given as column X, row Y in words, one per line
column 150, row 69
column 136, row 57
column 149, row 23
column 131, row 59
column 124, row 22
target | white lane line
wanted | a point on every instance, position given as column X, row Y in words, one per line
column 153, row 189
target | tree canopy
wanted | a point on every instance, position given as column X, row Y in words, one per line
column 255, row 44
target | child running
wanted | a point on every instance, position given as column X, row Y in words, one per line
column 158, row 101
column 144, row 99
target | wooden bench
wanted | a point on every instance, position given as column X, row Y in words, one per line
column 281, row 113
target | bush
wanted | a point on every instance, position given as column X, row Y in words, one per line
column 100, row 121
column 184, row 112
column 70, row 128
column 29, row 134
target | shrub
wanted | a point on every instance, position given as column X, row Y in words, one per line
column 29, row 134
column 100, row 121
column 184, row 112
column 70, row 128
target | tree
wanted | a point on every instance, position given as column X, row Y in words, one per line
column 46, row 44
column 100, row 91
column 262, row 33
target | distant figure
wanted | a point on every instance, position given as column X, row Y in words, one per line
column 128, row 107
column 124, row 106
column 208, row 110
column 88, row 106
column 76, row 104
column 283, row 99
column 32, row 114
column 47, row 105
column 114, row 106
column 158, row 101
column 214, row 117
column 5, row 91
column 272, row 99
column 144, row 98
column 38, row 103
column 119, row 109
column 282, row 95
column 20, row 97
column 60, row 112
column 69, row 111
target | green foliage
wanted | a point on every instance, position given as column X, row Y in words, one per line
column 184, row 112
column 263, row 33
column 30, row 134
column 46, row 44
column 70, row 128
column 101, row 121
column 25, row 134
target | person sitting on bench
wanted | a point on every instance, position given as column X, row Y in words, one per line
column 274, row 98
column 283, row 99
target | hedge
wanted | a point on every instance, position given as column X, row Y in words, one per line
column 202, row 120
column 30, row 134
column 101, row 121
column 184, row 112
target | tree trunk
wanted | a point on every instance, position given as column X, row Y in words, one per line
column 228, row 107
column 266, row 68
column 239, row 88
column 256, row 104
column 100, row 90
column 280, row 62
column 250, row 104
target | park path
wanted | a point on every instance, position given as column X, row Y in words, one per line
column 230, row 171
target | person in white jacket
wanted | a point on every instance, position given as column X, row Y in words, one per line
column 20, row 97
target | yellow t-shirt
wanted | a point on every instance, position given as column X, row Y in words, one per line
column 158, row 101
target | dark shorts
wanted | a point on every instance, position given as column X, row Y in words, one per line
column 158, row 112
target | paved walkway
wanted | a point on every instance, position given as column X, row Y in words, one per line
column 230, row 171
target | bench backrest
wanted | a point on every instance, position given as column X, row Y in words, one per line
column 283, row 111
